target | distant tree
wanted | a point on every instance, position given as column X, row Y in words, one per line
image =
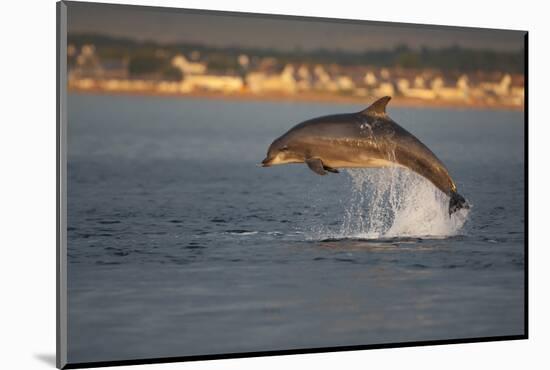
column 171, row 73
column 144, row 65
column 222, row 62
column 408, row 59
column 144, row 59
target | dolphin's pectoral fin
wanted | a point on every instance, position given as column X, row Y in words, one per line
column 330, row 169
column 316, row 165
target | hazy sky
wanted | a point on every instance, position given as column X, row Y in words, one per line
column 169, row 25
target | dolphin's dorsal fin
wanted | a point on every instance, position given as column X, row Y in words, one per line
column 378, row 108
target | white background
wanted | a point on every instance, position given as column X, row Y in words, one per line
column 27, row 183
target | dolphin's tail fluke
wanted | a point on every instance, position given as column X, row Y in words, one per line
column 457, row 202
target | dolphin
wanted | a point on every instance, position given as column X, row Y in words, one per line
column 366, row 139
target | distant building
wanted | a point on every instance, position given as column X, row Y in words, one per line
column 284, row 81
column 220, row 83
column 71, row 50
column 500, row 88
column 458, row 91
column 417, row 90
column 243, row 60
column 303, row 78
column 384, row 89
column 187, row 67
column 345, row 83
column 87, row 63
column 385, row 74
column 370, row 79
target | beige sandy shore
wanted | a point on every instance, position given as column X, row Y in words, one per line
column 311, row 97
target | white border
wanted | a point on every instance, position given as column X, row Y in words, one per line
column 28, row 183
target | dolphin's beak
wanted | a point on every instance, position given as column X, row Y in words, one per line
column 266, row 162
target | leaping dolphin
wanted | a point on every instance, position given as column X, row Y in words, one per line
column 366, row 139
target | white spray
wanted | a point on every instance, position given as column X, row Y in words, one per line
column 394, row 202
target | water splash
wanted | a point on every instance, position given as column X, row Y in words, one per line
column 394, row 202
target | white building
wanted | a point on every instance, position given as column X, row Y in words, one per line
column 187, row 67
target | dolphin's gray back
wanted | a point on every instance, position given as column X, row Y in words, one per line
column 412, row 153
column 336, row 125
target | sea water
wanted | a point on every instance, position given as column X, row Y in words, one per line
column 179, row 244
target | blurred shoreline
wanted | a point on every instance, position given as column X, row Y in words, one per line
column 313, row 97
column 447, row 77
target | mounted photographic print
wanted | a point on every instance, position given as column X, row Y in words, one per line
column 234, row 184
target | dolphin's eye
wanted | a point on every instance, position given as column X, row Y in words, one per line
column 284, row 148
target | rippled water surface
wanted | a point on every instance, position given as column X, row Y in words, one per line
column 180, row 245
